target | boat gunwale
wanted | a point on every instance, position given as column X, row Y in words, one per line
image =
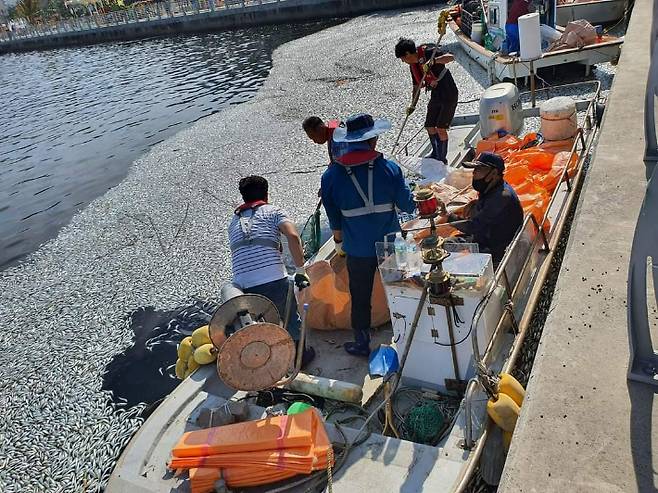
column 589, row 2
column 506, row 60
column 558, row 230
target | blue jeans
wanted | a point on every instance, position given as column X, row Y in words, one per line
column 512, row 43
column 277, row 292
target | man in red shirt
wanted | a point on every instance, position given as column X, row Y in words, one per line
column 318, row 132
column 427, row 63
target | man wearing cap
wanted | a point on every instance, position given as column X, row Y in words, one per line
column 254, row 236
column 360, row 193
column 427, row 63
column 494, row 218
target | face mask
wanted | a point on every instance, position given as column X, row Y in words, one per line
column 479, row 185
column 482, row 184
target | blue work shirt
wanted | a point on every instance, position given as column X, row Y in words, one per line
column 493, row 221
column 360, row 233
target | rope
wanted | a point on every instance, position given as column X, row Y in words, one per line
column 330, row 477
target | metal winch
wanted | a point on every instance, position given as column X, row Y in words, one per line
column 255, row 352
column 438, row 282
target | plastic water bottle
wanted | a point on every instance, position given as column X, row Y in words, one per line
column 400, row 247
column 413, row 257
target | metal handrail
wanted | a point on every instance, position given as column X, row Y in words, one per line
column 643, row 361
column 130, row 16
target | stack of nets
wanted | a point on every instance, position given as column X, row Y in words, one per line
column 254, row 452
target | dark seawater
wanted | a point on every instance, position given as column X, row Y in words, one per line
column 73, row 120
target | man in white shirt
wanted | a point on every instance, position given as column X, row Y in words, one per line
column 256, row 254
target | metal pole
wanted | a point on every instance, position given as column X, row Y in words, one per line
column 532, row 82
column 453, row 350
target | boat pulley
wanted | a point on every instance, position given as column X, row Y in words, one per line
column 255, row 352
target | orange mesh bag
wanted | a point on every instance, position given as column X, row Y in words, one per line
column 329, row 298
column 561, row 159
column 252, row 465
column 515, row 175
column 269, row 433
column 500, row 145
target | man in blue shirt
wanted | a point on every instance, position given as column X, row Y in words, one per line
column 494, row 218
column 360, row 193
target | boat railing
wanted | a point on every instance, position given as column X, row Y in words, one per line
column 535, row 237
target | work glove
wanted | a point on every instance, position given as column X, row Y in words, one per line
column 339, row 248
column 301, row 278
column 427, row 66
column 410, row 110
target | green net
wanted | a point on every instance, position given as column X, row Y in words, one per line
column 423, row 423
column 311, row 236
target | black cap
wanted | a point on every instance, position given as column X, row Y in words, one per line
column 487, row 159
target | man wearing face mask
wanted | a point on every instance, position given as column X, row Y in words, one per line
column 494, row 218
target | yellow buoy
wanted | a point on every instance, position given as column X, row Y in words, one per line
column 201, row 336
column 510, row 386
column 504, row 411
column 192, row 364
column 185, row 348
column 181, row 368
column 205, row 354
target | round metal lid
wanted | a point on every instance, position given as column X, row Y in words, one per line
column 258, row 306
column 256, row 357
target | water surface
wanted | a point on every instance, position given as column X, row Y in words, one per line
column 73, row 120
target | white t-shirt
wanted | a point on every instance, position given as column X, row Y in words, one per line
column 257, row 264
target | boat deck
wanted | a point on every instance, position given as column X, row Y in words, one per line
column 332, row 361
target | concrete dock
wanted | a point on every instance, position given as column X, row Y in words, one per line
column 584, row 426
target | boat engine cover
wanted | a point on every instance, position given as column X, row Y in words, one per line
column 501, row 109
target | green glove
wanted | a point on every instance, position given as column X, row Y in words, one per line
column 410, row 110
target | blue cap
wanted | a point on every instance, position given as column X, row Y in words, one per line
column 360, row 127
column 488, row 160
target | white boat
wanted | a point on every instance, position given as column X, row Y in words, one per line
column 596, row 12
column 502, row 67
column 499, row 308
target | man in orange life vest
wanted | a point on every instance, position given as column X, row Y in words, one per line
column 430, row 61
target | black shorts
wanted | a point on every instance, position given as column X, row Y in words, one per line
column 440, row 110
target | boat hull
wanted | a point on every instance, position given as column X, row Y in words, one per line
column 599, row 12
column 500, row 67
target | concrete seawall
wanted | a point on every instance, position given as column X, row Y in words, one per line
column 278, row 12
column 584, row 427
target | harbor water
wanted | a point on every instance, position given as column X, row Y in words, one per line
column 75, row 119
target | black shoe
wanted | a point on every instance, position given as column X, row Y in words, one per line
column 356, row 349
column 308, row 355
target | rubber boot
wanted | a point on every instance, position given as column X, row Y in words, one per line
column 361, row 344
column 436, row 147
column 442, row 150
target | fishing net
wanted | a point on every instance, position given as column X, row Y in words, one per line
column 311, row 235
column 423, row 423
